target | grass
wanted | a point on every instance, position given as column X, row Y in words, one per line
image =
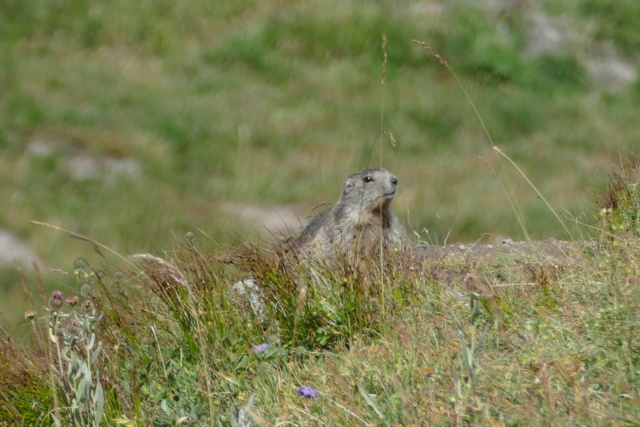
column 504, row 340
column 244, row 103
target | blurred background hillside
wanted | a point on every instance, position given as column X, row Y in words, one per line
column 133, row 122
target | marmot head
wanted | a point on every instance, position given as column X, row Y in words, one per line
column 372, row 189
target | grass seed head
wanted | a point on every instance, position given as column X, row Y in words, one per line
column 434, row 53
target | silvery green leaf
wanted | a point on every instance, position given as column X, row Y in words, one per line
column 466, row 357
column 244, row 419
column 92, row 341
column 76, row 366
column 232, row 418
column 77, row 413
column 370, row 401
column 468, row 360
column 250, row 402
column 98, row 400
column 81, row 388
column 96, row 353
column 457, row 322
column 52, row 336
column 481, row 340
column 87, row 375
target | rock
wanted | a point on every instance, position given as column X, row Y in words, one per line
column 547, row 35
column 608, row 70
column 247, row 294
column 83, row 164
column 278, row 220
column 13, row 249
column 555, row 36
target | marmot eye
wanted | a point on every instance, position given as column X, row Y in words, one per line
column 368, row 179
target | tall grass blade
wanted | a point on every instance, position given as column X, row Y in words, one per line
column 370, row 401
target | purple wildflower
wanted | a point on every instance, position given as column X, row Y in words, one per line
column 261, row 348
column 57, row 300
column 73, row 327
column 307, row 392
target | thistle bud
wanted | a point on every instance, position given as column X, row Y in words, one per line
column 85, row 289
column 73, row 327
column 88, row 307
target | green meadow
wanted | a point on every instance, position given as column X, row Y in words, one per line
column 137, row 123
column 260, row 103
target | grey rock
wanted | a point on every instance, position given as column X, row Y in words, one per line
column 13, row 249
column 83, row 164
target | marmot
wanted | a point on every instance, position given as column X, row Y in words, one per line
column 360, row 221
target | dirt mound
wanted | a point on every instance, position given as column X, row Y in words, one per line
column 550, row 250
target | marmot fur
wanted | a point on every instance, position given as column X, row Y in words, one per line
column 359, row 222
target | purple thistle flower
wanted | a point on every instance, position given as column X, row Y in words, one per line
column 73, row 327
column 308, row 392
column 261, row 348
column 57, row 300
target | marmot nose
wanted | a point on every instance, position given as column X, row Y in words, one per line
column 394, row 180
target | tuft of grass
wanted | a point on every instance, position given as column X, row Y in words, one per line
column 505, row 339
column 25, row 395
column 620, row 213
